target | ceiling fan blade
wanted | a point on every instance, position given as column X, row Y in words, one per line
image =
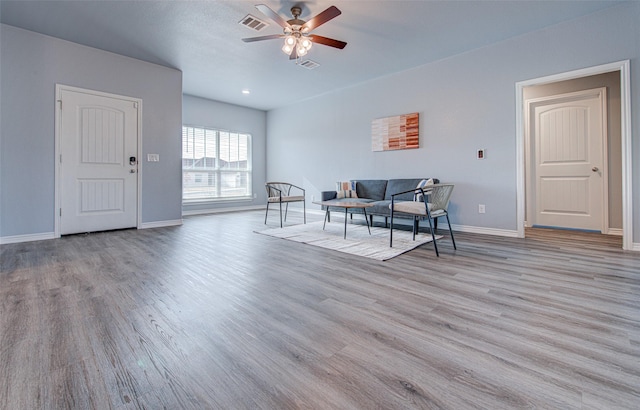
column 328, row 14
column 269, row 37
column 272, row 15
column 327, row 41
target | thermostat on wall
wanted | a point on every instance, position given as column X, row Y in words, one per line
column 481, row 154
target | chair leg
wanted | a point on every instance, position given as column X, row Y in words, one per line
column 451, row 232
column 415, row 222
column 304, row 210
column 286, row 209
column 266, row 213
column 433, row 237
column 280, row 214
column 390, row 229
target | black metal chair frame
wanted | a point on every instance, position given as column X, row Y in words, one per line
column 426, row 192
column 282, row 191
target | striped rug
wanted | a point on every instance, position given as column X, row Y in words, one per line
column 358, row 241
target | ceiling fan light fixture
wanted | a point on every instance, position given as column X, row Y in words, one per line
column 297, row 33
column 287, row 49
column 306, row 43
column 301, row 51
column 290, row 40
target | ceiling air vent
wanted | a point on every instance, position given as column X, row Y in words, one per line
column 309, row 64
column 253, row 22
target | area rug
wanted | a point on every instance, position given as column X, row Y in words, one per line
column 358, row 241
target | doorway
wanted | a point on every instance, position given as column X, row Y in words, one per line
column 567, row 161
column 97, row 145
column 626, row 198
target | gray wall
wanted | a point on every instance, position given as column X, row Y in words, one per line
column 32, row 64
column 612, row 83
column 213, row 114
column 465, row 103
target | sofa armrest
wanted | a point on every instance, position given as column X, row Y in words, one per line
column 328, row 195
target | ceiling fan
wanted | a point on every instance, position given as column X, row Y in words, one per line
column 297, row 33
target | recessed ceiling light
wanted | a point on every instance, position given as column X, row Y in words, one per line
column 246, row 92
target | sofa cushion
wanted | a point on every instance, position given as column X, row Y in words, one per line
column 422, row 184
column 400, row 185
column 371, row 188
column 346, row 190
column 380, row 208
column 383, row 208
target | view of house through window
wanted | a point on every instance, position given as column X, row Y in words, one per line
column 216, row 164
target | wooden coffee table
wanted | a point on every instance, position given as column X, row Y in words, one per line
column 346, row 204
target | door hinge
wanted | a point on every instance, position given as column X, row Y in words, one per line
column 60, row 102
column 61, row 158
column 135, row 105
column 60, row 211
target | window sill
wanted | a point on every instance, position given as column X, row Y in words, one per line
column 216, row 200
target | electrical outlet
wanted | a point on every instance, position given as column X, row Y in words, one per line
column 480, row 208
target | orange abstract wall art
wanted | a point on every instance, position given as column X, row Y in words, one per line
column 392, row 133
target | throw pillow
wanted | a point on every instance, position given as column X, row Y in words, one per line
column 422, row 184
column 346, row 190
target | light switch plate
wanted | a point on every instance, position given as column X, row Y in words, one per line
column 153, row 157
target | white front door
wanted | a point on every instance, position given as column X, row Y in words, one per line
column 98, row 176
column 570, row 161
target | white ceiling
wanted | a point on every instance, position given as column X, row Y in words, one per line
column 203, row 38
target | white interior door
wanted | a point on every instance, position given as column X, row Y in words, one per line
column 570, row 161
column 98, row 162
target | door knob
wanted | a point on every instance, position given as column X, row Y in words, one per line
column 594, row 169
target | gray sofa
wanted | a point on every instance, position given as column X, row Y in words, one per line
column 378, row 192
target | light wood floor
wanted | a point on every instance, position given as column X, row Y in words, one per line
column 213, row 315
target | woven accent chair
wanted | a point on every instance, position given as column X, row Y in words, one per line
column 280, row 193
column 436, row 203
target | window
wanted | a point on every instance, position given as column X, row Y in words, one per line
column 216, row 164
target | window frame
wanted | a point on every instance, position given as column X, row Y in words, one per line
column 218, row 169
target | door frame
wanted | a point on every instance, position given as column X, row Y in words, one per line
column 58, row 149
column 625, row 124
column 531, row 191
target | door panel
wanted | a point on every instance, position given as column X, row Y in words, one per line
column 569, row 162
column 99, row 187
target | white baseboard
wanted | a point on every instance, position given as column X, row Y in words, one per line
column 223, row 210
column 484, row 231
column 160, row 224
column 27, row 238
column 615, row 231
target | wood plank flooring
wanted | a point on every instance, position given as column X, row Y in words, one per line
column 211, row 315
